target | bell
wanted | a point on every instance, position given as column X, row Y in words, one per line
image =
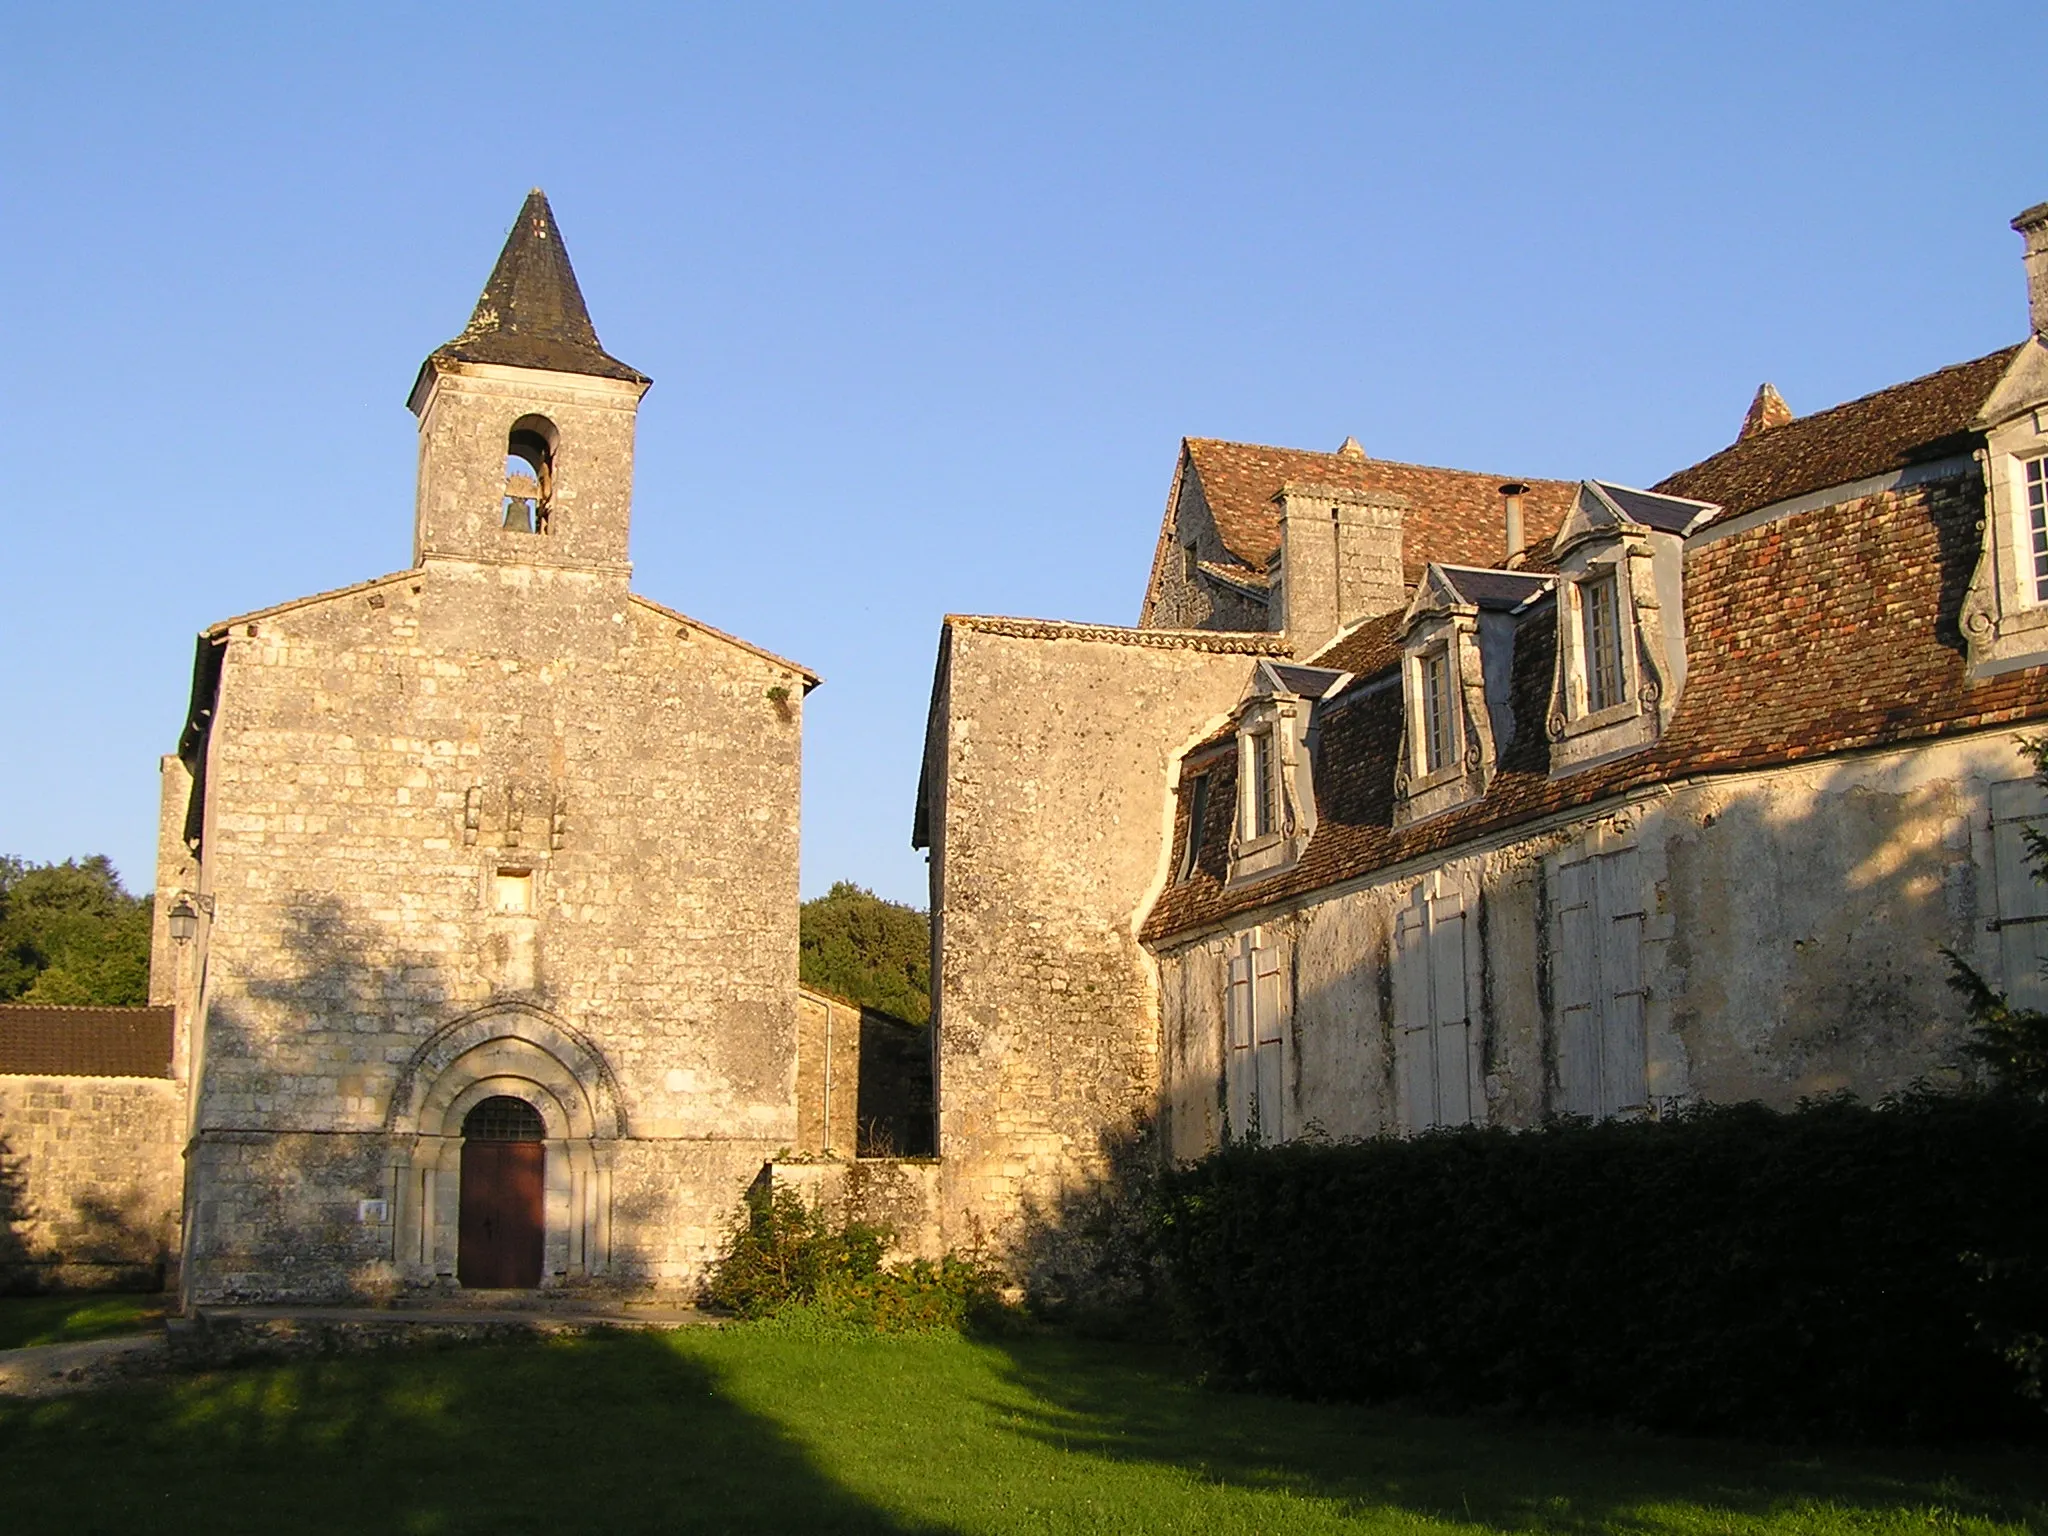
column 518, row 515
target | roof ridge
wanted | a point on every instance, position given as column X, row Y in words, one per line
column 1371, row 460
column 1918, row 378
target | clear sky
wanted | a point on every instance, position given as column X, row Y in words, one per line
column 929, row 295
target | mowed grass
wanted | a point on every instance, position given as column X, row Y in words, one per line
column 26, row 1320
column 766, row 1429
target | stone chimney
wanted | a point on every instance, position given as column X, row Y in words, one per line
column 1512, row 541
column 1340, row 560
column 2033, row 228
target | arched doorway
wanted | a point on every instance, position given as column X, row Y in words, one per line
column 502, row 1228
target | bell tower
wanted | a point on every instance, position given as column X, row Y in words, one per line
column 526, row 422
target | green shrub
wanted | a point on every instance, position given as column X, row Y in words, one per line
column 783, row 1255
column 1842, row 1270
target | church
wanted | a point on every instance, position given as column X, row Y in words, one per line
column 477, row 887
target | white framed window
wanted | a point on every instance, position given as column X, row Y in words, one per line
column 1262, row 811
column 1434, row 1057
column 1198, row 821
column 2020, row 807
column 2034, row 485
column 1597, row 985
column 1439, row 727
column 1255, row 1055
column 1600, row 612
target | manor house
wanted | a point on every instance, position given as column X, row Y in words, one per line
column 1423, row 797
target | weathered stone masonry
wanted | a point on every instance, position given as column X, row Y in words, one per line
column 493, row 826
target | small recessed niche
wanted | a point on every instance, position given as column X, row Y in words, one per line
column 512, row 891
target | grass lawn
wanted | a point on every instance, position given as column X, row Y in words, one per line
column 763, row 1429
column 28, row 1320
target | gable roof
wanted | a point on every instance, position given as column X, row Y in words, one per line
column 1925, row 418
column 531, row 313
column 1453, row 515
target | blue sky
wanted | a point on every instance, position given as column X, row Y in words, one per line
column 929, row 295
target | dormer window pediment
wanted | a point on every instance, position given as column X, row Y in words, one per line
column 1457, row 646
column 1276, row 800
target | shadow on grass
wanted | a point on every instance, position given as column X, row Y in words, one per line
column 613, row 1432
column 1135, row 1404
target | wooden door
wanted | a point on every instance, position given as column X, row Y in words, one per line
column 501, row 1228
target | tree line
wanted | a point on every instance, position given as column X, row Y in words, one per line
column 70, row 934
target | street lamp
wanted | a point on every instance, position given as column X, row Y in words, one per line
column 184, row 920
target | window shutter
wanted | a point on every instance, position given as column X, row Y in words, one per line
column 1624, row 1073
column 1574, row 979
column 2022, row 900
column 1266, row 1042
column 1236, row 1063
column 1414, row 1065
column 1450, row 1021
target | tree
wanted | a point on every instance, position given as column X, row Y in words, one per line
column 69, row 934
column 867, row 950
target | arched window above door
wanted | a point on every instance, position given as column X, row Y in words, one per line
column 503, row 1118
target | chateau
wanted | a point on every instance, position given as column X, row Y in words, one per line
column 1415, row 797
column 1422, row 797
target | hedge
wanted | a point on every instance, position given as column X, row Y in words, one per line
column 1840, row 1271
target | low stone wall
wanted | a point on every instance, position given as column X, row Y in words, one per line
column 91, row 1182
column 899, row 1193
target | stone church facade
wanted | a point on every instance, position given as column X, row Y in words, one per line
column 1421, row 797
column 491, row 867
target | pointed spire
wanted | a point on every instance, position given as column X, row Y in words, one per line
column 532, row 314
column 1766, row 411
column 1350, row 449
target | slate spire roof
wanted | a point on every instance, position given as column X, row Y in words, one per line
column 531, row 314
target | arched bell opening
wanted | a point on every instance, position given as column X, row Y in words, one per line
column 502, row 1229
column 529, row 475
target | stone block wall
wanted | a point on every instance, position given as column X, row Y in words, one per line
column 1048, row 802
column 828, row 1065
column 91, row 1177
column 473, row 795
column 1791, row 946
column 899, row 1194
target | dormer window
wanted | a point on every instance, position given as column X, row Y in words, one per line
column 1457, row 647
column 2005, row 613
column 1276, row 800
column 1620, row 621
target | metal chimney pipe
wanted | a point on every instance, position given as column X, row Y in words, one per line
column 1511, row 496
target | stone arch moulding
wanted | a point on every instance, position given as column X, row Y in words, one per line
column 524, row 1052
